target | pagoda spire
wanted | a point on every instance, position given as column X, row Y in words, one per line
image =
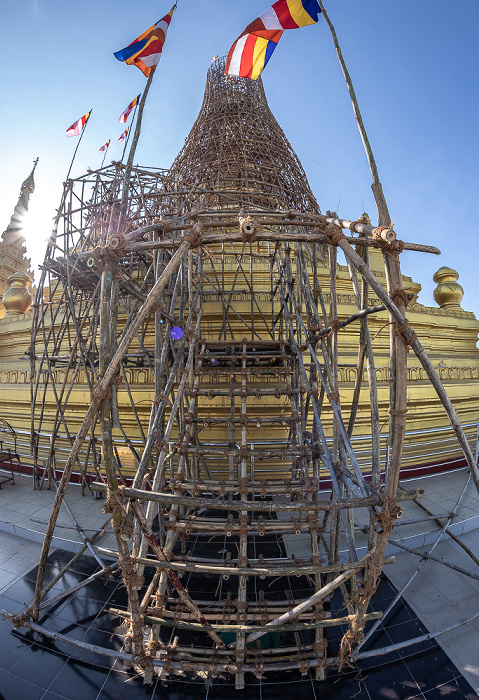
column 13, row 232
column 12, row 250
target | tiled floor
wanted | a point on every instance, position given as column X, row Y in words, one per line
column 32, row 666
column 16, row 558
column 25, row 512
column 441, row 596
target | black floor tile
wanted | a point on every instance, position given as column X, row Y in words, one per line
column 296, row 688
column 391, row 681
column 119, row 597
column 444, row 692
column 68, row 672
column 100, row 590
column 106, row 622
column 78, row 681
column 15, row 688
column 43, row 665
column 21, row 592
column 400, row 614
column 228, row 692
column 464, row 688
column 80, row 610
column 12, row 649
column 174, row 690
column 404, row 631
column 431, row 669
column 121, row 686
column 66, row 627
column 84, row 565
column 50, row 645
column 412, row 650
column 101, row 639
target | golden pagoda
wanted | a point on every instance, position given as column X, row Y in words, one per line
column 197, row 355
column 236, row 157
column 14, row 265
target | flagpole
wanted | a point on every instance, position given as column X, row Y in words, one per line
column 134, row 143
column 129, row 133
column 79, row 141
column 104, row 156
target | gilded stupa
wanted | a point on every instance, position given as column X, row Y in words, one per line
column 13, row 260
column 198, row 356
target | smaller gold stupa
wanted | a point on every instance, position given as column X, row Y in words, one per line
column 18, row 299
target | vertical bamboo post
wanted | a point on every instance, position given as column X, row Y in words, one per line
column 127, row 565
column 243, row 546
column 90, row 414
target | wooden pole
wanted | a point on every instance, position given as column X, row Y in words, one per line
column 90, row 414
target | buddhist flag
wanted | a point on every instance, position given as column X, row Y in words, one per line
column 75, row 128
column 129, row 109
column 252, row 50
column 105, row 147
column 124, row 134
column 145, row 51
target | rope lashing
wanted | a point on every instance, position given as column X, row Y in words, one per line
column 350, row 640
column 132, row 581
column 386, row 239
column 400, row 297
column 99, row 394
column 353, row 224
column 123, row 525
column 195, row 236
column 399, row 331
column 333, row 234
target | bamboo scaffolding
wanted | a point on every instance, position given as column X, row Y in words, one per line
column 230, row 254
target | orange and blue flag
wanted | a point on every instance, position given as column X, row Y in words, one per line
column 145, row 51
column 75, row 128
column 129, row 109
column 254, row 47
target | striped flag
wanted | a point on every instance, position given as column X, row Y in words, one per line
column 105, row 147
column 124, row 134
column 145, row 51
column 254, row 47
column 129, row 109
column 75, row 128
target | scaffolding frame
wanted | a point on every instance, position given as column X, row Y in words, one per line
column 199, row 287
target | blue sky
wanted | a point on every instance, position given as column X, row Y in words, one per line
column 414, row 65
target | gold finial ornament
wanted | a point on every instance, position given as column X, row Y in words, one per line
column 18, row 299
column 448, row 293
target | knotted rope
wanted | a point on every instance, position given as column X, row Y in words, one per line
column 333, row 234
column 400, row 330
column 194, row 236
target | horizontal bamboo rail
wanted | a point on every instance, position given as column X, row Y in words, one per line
column 256, row 506
column 256, row 631
column 185, row 665
column 262, row 572
column 270, row 236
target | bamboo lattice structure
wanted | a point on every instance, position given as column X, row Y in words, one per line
column 191, row 331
